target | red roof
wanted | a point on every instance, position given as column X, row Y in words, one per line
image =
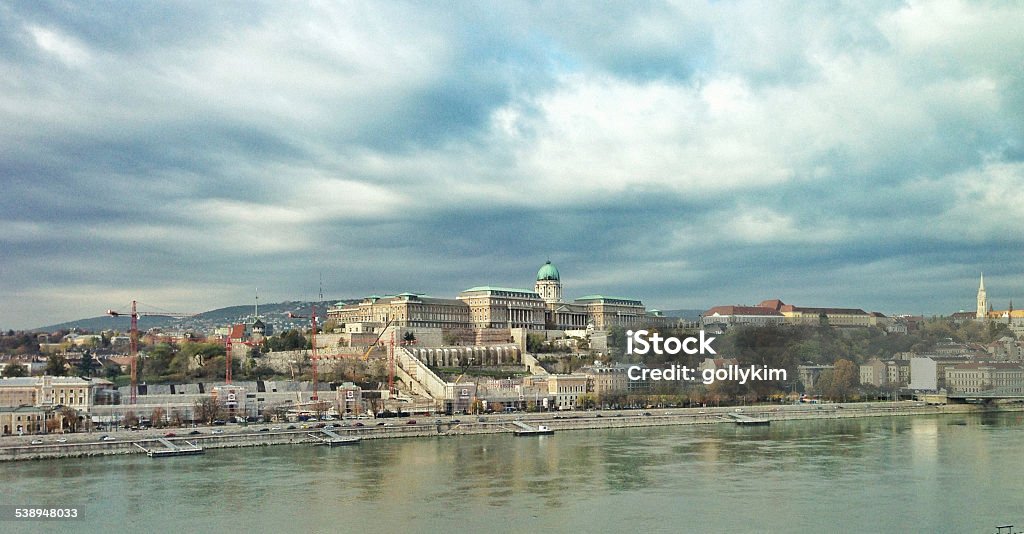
column 741, row 310
column 238, row 331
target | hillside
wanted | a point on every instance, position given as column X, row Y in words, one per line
column 274, row 315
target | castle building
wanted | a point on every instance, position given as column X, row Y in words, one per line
column 484, row 308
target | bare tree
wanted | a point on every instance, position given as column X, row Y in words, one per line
column 70, row 417
column 320, row 408
column 208, row 410
column 157, row 418
column 130, row 419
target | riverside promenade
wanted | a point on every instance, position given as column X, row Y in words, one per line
column 253, row 435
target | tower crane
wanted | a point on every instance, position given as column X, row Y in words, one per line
column 134, row 341
column 366, row 355
column 312, row 320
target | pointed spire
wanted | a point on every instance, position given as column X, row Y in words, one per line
column 982, row 286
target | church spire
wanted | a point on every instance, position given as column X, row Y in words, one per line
column 982, row 300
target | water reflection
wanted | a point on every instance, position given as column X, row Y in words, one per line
column 910, row 472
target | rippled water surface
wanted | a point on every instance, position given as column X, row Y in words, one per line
column 900, row 474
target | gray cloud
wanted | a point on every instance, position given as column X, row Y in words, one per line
column 687, row 154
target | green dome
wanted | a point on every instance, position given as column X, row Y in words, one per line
column 547, row 272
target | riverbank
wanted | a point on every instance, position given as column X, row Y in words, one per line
column 13, row 448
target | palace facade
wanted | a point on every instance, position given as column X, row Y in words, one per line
column 500, row 308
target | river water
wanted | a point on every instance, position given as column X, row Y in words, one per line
column 953, row 473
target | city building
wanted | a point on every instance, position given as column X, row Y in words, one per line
column 736, row 315
column 489, row 313
column 809, row 374
column 873, row 372
column 802, row 315
column 16, row 420
column 349, row 399
column 46, row 392
column 607, row 380
column 27, row 403
column 776, row 312
column 975, row 377
column 924, row 374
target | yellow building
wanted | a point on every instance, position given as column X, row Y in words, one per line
column 491, row 312
column 26, row 402
column 46, row 392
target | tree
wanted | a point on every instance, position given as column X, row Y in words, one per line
column 844, row 379
column 130, row 419
column 320, row 408
column 112, row 371
column 409, row 337
column 15, row 369
column 290, row 340
column 587, row 401
column 88, row 364
column 534, row 343
column 157, row 417
column 207, row 410
column 70, row 417
column 159, row 360
column 56, row 365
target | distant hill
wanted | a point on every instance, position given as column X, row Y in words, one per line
column 275, row 315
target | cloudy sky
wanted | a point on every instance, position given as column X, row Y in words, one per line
column 868, row 154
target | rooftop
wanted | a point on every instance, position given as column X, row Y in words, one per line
column 606, row 297
column 530, row 292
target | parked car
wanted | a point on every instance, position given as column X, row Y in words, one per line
column 108, row 438
column 217, row 431
column 37, row 442
column 61, row 440
column 411, row 422
column 194, row 433
column 170, row 435
column 291, row 427
column 264, row 429
column 357, row 423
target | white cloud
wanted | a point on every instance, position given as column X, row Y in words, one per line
column 67, row 49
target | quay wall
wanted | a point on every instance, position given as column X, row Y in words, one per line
column 82, row 445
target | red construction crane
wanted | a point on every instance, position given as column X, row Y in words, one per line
column 134, row 343
column 312, row 320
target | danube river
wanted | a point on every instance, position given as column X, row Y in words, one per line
column 950, row 473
